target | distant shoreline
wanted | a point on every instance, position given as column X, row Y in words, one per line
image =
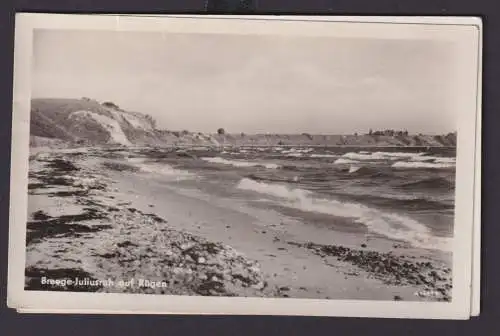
column 318, row 146
column 86, row 122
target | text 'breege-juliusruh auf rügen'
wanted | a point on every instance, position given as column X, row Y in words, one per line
column 87, row 282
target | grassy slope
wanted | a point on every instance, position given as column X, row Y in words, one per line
column 49, row 118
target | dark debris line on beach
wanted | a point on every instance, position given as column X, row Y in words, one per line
column 59, row 172
column 44, row 226
column 389, row 268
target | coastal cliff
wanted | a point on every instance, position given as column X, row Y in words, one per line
column 87, row 122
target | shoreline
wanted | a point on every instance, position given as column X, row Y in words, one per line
column 69, row 146
column 288, row 266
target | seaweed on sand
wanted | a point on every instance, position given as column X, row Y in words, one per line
column 48, row 179
column 119, row 166
column 155, row 217
column 51, row 178
column 68, row 193
column 40, row 215
column 56, row 181
column 54, row 229
column 32, row 186
column 184, row 154
column 65, row 226
column 62, row 165
column 210, row 287
column 126, row 243
column 111, row 155
column 152, row 216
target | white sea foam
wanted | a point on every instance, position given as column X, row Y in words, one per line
column 423, row 158
column 363, row 157
column 417, row 164
column 434, row 159
column 387, row 224
column 398, row 154
column 241, row 163
column 295, row 154
column 354, row 169
column 367, row 156
column 167, row 171
column 324, row 155
column 445, row 160
column 275, row 190
column 344, row 161
column 297, row 150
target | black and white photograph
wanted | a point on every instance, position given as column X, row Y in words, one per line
column 225, row 164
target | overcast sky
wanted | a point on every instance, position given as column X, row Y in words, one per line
column 253, row 84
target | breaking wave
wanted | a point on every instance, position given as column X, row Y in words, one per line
column 241, row 163
column 353, row 169
column 423, row 158
column 324, row 155
column 399, row 154
column 434, row 159
column 363, row 157
column 357, row 171
column 167, row 171
column 366, row 156
column 344, row 161
column 445, row 160
column 275, row 190
column 390, row 225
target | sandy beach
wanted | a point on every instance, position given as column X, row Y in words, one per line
column 94, row 215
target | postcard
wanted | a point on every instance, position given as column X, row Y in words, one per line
column 325, row 166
